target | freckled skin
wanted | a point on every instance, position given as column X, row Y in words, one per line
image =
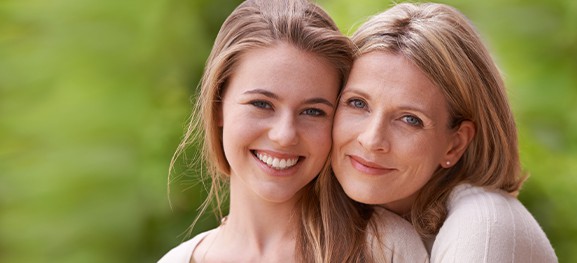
column 280, row 101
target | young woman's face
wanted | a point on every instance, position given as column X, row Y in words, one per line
column 390, row 132
column 276, row 119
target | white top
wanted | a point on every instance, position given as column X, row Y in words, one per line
column 401, row 242
column 183, row 252
column 489, row 226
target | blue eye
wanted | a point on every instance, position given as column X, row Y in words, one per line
column 261, row 104
column 412, row 120
column 314, row 112
column 357, row 103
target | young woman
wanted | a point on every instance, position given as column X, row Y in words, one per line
column 424, row 129
column 268, row 97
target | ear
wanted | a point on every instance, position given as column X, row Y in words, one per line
column 460, row 140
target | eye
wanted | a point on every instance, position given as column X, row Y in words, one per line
column 412, row 120
column 314, row 112
column 261, row 104
column 357, row 103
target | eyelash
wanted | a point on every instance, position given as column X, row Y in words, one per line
column 352, row 101
column 361, row 104
column 314, row 112
column 261, row 104
column 419, row 122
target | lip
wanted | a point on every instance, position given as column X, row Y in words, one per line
column 275, row 172
column 368, row 167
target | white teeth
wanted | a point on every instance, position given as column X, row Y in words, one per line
column 277, row 163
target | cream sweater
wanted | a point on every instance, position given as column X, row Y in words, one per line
column 489, row 226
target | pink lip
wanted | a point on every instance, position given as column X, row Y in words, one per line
column 368, row 167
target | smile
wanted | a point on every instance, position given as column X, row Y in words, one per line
column 367, row 167
column 277, row 163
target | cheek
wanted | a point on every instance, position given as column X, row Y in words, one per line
column 319, row 137
column 422, row 156
column 344, row 127
column 241, row 129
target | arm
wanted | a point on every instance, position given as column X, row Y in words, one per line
column 484, row 226
column 397, row 240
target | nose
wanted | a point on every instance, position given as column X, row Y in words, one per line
column 373, row 137
column 283, row 130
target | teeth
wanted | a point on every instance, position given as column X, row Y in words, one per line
column 277, row 163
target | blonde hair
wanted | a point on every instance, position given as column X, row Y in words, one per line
column 446, row 47
column 347, row 224
column 256, row 24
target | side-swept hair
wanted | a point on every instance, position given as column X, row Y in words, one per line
column 257, row 24
column 443, row 43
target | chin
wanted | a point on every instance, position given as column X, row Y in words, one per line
column 362, row 195
column 369, row 201
column 279, row 196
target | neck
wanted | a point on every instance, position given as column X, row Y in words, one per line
column 256, row 229
column 401, row 207
column 259, row 223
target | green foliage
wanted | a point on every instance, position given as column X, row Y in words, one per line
column 94, row 96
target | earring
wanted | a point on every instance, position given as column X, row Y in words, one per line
column 448, row 163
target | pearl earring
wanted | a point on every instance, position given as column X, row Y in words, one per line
column 448, row 163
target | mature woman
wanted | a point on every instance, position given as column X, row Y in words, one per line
column 425, row 130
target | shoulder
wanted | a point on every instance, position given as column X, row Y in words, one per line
column 183, row 252
column 396, row 240
column 486, row 225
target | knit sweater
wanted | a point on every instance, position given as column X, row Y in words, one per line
column 489, row 226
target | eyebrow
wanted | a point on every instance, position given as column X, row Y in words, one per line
column 402, row 107
column 412, row 108
column 276, row 97
column 262, row 92
column 353, row 90
column 319, row 100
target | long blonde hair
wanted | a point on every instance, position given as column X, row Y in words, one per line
column 255, row 24
column 443, row 43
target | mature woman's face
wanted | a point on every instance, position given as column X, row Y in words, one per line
column 390, row 131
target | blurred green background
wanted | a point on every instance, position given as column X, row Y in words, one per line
column 94, row 96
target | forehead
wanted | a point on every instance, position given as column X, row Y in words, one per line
column 285, row 67
column 393, row 75
column 394, row 83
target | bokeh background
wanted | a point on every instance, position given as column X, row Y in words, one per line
column 94, row 96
